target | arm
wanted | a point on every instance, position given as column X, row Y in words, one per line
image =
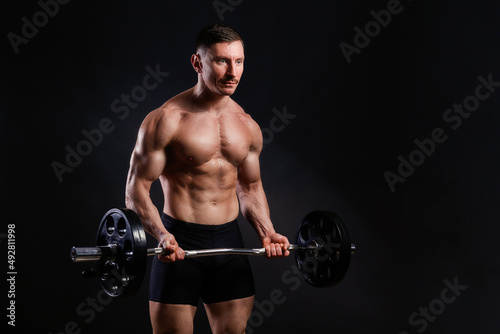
column 253, row 201
column 146, row 165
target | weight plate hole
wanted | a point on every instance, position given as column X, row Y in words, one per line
column 321, row 224
column 334, row 234
column 326, row 274
column 128, row 250
column 122, row 227
column 110, row 225
column 304, row 232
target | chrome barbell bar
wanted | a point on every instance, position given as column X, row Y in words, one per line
column 82, row 254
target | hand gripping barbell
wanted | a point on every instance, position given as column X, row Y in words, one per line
column 322, row 251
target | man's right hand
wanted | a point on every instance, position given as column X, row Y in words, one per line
column 174, row 252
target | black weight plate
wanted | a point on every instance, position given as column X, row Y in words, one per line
column 329, row 266
column 125, row 274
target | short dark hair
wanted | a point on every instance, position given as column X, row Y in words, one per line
column 216, row 33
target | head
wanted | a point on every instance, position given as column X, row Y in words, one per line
column 219, row 59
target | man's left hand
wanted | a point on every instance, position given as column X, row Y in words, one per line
column 276, row 246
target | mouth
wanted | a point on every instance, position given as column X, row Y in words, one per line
column 229, row 83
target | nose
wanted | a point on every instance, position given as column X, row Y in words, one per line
column 231, row 69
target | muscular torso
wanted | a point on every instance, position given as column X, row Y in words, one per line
column 202, row 159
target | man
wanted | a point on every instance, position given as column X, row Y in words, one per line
column 205, row 150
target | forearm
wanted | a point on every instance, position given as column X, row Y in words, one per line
column 255, row 209
column 137, row 199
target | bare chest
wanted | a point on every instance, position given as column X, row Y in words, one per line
column 203, row 139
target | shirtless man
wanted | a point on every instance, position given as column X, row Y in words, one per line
column 205, row 150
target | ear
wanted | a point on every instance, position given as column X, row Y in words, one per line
column 196, row 62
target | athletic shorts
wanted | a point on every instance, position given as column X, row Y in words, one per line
column 212, row 278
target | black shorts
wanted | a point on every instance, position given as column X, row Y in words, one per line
column 213, row 278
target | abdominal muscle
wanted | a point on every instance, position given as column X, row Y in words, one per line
column 202, row 198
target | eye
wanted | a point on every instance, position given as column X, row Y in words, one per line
column 221, row 61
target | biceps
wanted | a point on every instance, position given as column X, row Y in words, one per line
column 149, row 156
column 146, row 167
column 249, row 174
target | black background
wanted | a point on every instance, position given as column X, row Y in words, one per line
column 352, row 121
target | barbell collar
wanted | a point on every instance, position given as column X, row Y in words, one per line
column 82, row 254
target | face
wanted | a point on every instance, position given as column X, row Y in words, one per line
column 221, row 67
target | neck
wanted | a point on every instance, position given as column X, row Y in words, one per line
column 206, row 100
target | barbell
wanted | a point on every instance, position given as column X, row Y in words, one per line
column 322, row 251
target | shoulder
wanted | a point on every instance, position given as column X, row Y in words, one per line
column 170, row 113
column 161, row 120
column 251, row 124
column 161, row 124
column 245, row 117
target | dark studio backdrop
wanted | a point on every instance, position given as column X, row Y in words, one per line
column 389, row 115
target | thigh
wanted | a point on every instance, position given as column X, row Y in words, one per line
column 176, row 283
column 231, row 278
column 171, row 318
column 230, row 316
